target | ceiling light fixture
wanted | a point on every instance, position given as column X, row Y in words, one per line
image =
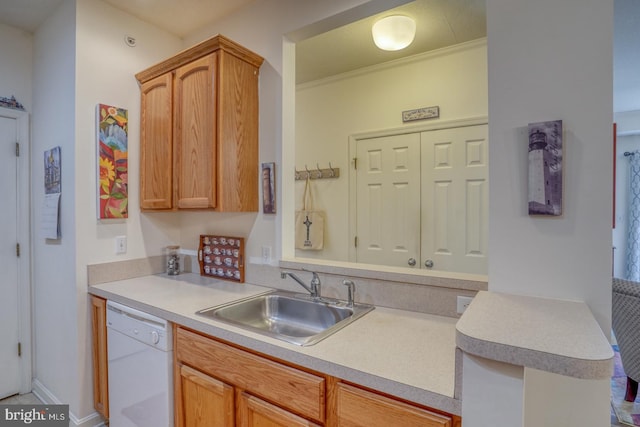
column 394, row 32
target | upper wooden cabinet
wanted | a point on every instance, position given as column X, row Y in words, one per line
column 199, row 129
column 156, row 136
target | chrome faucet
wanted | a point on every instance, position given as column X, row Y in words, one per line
column 352, row 291
column 313, row 289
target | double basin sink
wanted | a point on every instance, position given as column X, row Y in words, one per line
column 289, row 316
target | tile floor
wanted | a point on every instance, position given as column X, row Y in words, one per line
column 21, row 399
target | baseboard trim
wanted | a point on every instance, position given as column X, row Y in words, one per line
column 47, row 397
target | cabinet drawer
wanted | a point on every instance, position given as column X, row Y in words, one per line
column 253, row 412
column 361, row 408
column 298, row 391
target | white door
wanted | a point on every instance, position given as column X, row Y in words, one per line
column 9, row 359
column 455, row 197
column 388, row 200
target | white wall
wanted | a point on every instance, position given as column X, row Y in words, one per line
column 551, row 60
column 16, row 51
column 328, row 111
column 54, row 266
column 627, row 122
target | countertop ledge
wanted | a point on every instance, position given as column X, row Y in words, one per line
column 556, row 336
column 405, row 354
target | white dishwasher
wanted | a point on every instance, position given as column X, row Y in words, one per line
column 140, row 354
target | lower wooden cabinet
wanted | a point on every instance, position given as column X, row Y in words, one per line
column 254, row 412
column 99, row 355
column 294, row 390
column 217, row 384
column 205, row 401
column 356, row 407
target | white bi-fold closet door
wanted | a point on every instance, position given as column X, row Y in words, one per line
column 422, row 199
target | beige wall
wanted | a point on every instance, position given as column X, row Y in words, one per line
column 331, row 110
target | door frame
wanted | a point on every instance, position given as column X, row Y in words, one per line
column 24, row 238
column 353, row 141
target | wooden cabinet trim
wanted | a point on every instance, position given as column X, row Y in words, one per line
column 298, row 391
column 99, row 355
column 206, row 47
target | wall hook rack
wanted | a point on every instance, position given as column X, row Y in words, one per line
column 317, row 173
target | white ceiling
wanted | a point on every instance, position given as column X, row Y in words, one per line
column 440, row 23
column 179, row 17
column 26, row 14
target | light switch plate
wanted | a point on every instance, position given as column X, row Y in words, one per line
column 121, row 244
column 266, row 254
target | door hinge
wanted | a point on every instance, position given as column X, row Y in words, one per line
column 17, row 149
column 19, row 349
column 355, row 163
column 355, row 241
column 18, row 249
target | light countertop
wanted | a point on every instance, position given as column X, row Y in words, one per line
column 406, row 354
column 552, row 335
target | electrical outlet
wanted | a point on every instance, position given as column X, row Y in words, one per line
column 463, row 303
column 121, row 244
column 266, row 255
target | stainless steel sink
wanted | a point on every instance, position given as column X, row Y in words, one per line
column 288, row 316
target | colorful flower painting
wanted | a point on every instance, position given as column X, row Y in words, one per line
column 113, row 200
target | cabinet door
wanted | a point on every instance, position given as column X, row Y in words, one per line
column 156, row 136
column 195, row 166
column 99, row 353
column 206, row 402
column 254, row 412
column 361, row 408
column 238, row 135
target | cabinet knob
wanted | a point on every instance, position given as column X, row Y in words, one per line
column 411, row 262
column 428, row 263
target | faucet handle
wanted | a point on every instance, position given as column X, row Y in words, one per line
column 315, row 279
column 351, row 291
